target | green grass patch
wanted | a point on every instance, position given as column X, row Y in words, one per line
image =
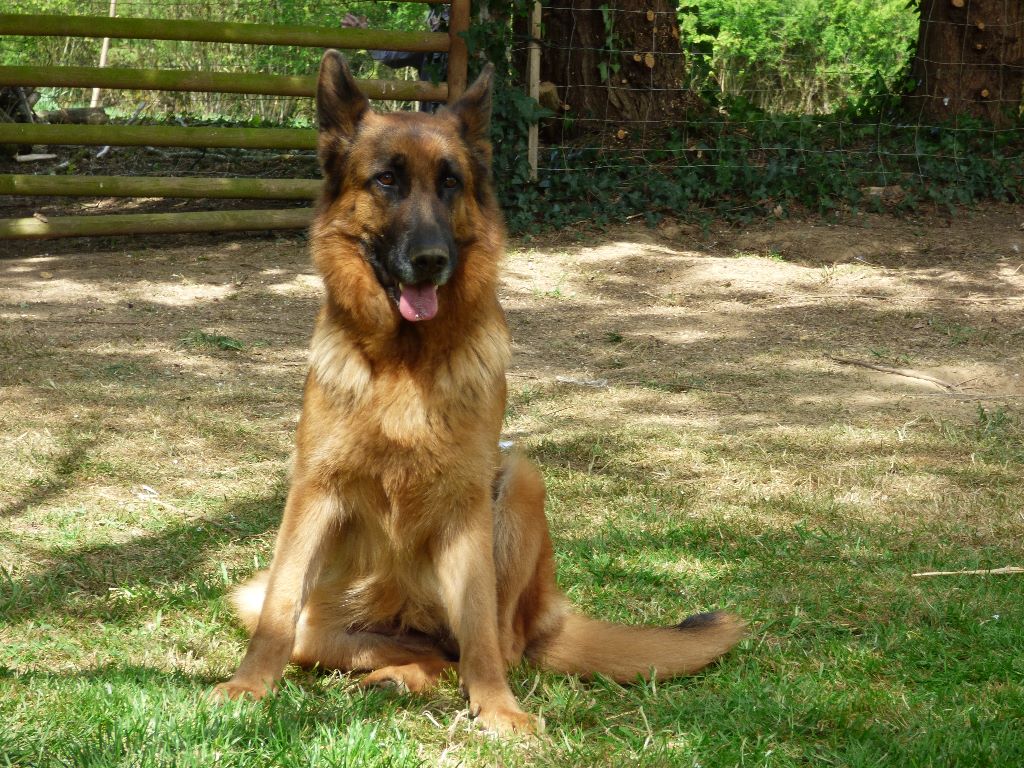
column 851, row 661
column 201, row 339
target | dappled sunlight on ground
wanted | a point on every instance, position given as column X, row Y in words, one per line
column 151, row 394
column 784, row 420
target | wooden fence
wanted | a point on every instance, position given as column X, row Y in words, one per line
column 172, row 80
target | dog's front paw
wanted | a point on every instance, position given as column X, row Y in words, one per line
column 237, row 689
column 504, row 719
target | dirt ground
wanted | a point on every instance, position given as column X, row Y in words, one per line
column 672, row 309
column 726, row 329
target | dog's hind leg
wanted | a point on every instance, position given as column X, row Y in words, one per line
column 402, row 661
column 407, row 661
column 416, row 676
column 411, row 662
column 523, row 557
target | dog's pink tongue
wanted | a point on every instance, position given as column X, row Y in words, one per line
column 418, row 302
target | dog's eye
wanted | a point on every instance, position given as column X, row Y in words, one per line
column 450, row 182
column 386, row 179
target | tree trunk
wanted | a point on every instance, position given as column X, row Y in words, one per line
column 16, row 107
column 970, row 60
column 621, row 68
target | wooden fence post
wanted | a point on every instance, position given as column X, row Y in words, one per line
column 533, row 137
column 458, row 53
column 104, row 50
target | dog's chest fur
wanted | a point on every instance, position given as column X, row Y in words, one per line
column 410, row 402
column 402, row 427
column 393, row 440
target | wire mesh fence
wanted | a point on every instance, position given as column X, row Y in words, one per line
column 760, row 98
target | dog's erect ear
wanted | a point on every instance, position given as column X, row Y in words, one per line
column 340, row 105
column 473, row 108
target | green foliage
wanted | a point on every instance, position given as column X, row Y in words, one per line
column 513, row 113
column 841, row 66
column 805, row 56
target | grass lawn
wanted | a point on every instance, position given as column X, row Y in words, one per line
column 701, row 448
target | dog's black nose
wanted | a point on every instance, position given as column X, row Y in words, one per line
column 429, row 261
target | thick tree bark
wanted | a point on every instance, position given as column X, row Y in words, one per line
column 969, row 61
column 620, row 68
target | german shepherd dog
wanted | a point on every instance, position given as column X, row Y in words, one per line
column 409, row 544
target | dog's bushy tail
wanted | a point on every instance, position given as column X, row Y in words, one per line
column 247, row 600
column 586, row 646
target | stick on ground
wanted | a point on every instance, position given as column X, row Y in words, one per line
column 981, row 572
column 897, row 371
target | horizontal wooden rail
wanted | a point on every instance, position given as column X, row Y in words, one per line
column 215, row 82
column 221, row 32
column 41, row 227
column 159, row 186
column 154, row 223
column 158, row 136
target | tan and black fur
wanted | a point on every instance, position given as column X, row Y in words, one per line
column 409, row 544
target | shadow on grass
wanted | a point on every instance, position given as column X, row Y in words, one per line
column 105, row 673
column 79, row 584
column 63, row 470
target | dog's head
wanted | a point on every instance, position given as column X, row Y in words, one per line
column 406, row 186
